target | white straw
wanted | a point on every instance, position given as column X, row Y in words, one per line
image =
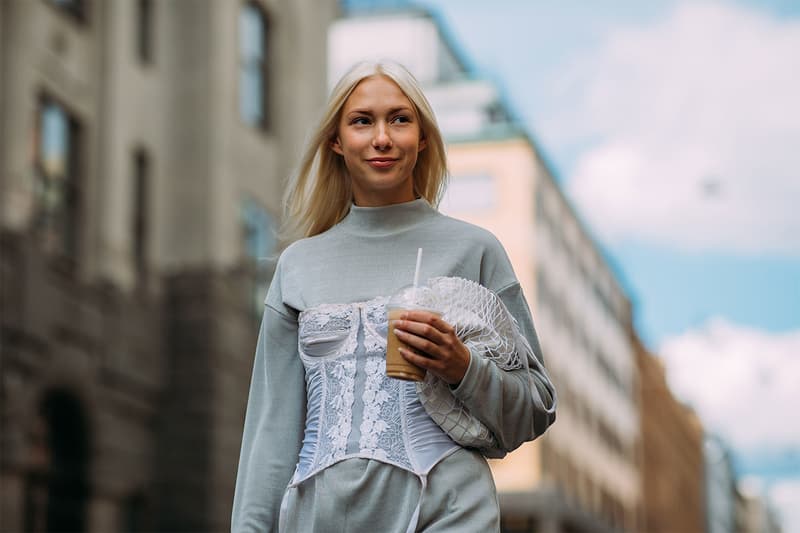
column 416, row 270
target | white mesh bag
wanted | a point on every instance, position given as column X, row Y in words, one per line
column 487, row 328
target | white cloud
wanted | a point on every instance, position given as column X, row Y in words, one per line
column 742, row 382
column 694, row 125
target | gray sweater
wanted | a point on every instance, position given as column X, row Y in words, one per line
column 371, row 253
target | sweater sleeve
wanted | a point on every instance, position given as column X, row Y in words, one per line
column 274, row 423
column 518, row 405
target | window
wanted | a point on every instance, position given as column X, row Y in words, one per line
column 57, row 187
column 258, row 234
column 144, row 31
column 74, row 8
column 253, row 79
column 139, row 211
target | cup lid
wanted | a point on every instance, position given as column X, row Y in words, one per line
column 410, row 296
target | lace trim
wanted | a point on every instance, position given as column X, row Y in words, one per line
column 324, row 320
column 376, row 324
column 326, row 317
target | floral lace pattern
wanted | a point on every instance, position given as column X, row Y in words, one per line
column 328, row 339
column 327, row 319
column 337, row 418
column 381, row 428
column 376, row 325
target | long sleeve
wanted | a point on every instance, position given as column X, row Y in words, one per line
column 516, row 406
column 273, row 428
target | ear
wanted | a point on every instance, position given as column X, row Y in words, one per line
column 336, row 146
column 422, row 144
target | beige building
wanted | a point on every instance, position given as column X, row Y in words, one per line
column 583, row 475
column 144, row 145
column 673, row 463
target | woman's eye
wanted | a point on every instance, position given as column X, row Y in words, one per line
column 360, row 120
column 403, row 119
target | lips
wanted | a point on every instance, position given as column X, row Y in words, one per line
column 381, row 162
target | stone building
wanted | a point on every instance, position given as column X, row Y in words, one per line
column 142, row 152
column 673, row 463
column 583, row 475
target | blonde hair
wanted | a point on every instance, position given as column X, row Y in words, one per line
column 319, row 194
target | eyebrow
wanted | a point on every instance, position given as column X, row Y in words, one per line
column 391, row 111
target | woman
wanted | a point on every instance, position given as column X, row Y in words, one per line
column 330, row 443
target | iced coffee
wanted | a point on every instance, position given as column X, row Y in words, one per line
column 407, row 299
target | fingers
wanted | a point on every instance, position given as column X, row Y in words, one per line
column 421, row 361
column 432, row 344
column 452, row 371
column 426, row 317
column 426, row 333
column 420, row 344
column 420, row 330
column 428, row 341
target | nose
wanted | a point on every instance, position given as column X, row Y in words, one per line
column 381, row 140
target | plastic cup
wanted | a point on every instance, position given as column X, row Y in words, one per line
column 409, row 298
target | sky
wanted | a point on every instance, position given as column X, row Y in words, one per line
column 674, row 128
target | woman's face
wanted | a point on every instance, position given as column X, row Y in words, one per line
column 379, row 137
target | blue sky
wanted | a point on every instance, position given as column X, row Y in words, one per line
column 523, row 46
column 673, row 126
column 676, row 291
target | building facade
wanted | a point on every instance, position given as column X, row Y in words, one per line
column 673, row 473
column 583, row 475
column 144, row 148
column 592, row 454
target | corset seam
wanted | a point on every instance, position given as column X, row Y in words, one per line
column 322, row 409
column 404, row 428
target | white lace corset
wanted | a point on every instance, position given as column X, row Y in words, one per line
column 353, row 409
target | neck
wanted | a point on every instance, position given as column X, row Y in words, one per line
column 387, row 219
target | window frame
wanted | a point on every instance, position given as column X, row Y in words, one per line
column 261, row 67
column 62, row 223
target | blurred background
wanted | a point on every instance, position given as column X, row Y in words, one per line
column 638, row 161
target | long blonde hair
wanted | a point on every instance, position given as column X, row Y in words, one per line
column 319, row 194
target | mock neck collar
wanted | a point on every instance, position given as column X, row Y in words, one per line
column 387, row 219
